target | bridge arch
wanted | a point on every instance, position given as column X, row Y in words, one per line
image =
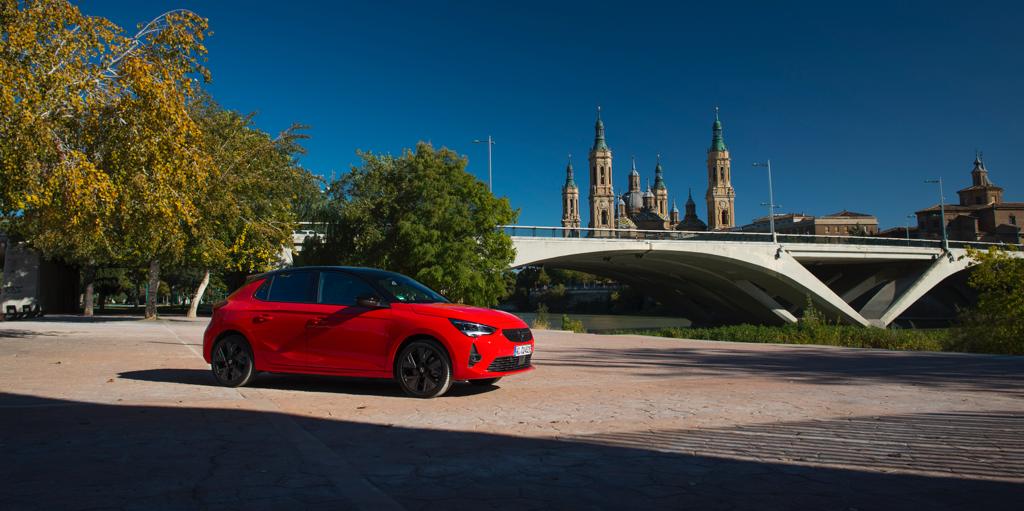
column 757, row 282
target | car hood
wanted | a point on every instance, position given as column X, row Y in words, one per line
column 469, row 313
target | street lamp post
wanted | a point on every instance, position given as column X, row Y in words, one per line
column 908, row 227
column 942, row 212
column 490, row 144
column 771, row 199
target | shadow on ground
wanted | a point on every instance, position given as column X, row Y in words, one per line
column 810, row 364
column 298, row 382
column 74, row 455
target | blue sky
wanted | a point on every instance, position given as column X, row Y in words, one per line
column 856, row 104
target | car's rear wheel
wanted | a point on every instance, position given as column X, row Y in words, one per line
column 423, row 369
column 232, row 362
column 485, row 382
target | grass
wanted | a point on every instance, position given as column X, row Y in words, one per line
column 820, row 334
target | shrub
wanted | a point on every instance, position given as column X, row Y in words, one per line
column 541, row 322
column 996, row 324
column 572, row 325
column 822, row 334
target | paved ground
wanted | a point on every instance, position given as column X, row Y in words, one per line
column 118, row 413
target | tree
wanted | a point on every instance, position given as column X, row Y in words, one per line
column 255, row 187
column 150, row 147
column 52, row 67
column 996, row 324
column 98, row 155
column 423, row 215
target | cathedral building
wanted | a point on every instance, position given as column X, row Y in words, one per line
column 648, row 208
column 981, row 215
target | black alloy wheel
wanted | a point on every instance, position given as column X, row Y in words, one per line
column 424, row 369
column 232, row 362
column 485, row 382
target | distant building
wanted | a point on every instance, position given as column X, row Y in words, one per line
column 843, row 223
column 648, row 209
column 981, row 215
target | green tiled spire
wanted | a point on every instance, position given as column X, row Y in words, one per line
column 599, row 142
column 570, row 182
column 659, row 178
column 717, row 142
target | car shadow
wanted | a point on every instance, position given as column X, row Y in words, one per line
column 299, row 382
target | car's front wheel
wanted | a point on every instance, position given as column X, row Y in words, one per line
column 423, row 369
column 232, row 362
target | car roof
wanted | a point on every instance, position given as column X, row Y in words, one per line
column 354, row 269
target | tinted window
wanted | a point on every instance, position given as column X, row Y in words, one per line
column 294, row 286
column 337, row 288
column 264, row 290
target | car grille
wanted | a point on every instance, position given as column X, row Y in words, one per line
column 518, row 334
column 502, row 364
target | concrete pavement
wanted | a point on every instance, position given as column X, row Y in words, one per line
column 123, row 414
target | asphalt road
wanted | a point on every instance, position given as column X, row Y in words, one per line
column 123, row 414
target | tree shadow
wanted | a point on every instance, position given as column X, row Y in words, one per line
column 299, row 382
column 75, row 455
column 815, row 365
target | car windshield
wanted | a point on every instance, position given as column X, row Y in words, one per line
column 406, row 290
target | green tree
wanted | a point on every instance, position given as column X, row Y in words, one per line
column 256, row 187
column 996, row 324
column 423, row 215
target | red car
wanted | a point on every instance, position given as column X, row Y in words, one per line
column 361, row 322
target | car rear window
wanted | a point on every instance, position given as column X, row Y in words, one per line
column 294, row 286
column 263, row 293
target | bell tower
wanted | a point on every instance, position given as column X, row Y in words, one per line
column 720, row 197
column 602, row 198
column 570, row 203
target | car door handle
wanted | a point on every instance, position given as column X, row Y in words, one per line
column 314, row 323
column 262, row 318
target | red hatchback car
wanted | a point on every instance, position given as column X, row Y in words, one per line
column 361, row 322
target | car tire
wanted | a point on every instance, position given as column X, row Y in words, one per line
column 485, row 382
column 232, row 362
column 423, row 369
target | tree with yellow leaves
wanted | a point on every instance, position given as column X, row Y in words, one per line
column 99, row 158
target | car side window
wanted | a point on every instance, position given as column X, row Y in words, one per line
column 263, row 292
column 338, row 288
column 294, row 286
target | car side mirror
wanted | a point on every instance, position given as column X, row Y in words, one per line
column 371, row 302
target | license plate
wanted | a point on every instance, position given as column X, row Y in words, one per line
column 525, row 349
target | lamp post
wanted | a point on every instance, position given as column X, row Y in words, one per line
column 771, row 199
column 908, row 227
column 490, row 144
column 942, row 212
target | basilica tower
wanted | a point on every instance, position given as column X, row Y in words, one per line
column 602, row 198
column 660, row 191
column 570, row 202
column 720, row 197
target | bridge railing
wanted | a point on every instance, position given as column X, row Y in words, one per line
column 534, row 231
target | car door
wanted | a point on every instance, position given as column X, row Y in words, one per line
column 344, row 335
column 279, row 318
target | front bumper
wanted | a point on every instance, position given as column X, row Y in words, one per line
column 495, row 358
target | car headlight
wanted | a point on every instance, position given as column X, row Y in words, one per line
column 472, row 329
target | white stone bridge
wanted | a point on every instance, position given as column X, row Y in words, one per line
column 732, row 276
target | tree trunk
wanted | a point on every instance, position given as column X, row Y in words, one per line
column 90, row 279
column 198, row 295
column 154, row 289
